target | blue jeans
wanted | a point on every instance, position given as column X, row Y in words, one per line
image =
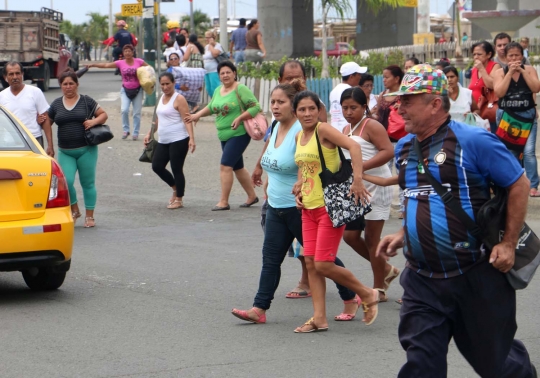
column 529, row 153
column 137, row 108
column 239, row 57
column 529, row 157
column 282, row 226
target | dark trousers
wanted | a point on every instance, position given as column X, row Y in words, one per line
column 175, row 153
column 477, row 309
column 282, row 226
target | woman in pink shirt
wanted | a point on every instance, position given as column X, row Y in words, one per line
column 131, row 92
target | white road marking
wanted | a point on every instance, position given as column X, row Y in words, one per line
column 111, row 96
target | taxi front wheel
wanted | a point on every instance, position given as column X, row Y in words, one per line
column 41, row 279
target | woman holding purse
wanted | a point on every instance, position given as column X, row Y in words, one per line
column 227, row 105
column 71, row 113
column 175, row 139
column 321, row 239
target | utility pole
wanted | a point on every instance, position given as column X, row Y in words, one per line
column 149, row 43
column 110, row 19
column 223, row 36
column 191, row 18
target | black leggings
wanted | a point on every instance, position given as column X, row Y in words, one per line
column 174, row 152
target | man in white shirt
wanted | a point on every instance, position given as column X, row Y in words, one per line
column 27, row 103
column 351, row 73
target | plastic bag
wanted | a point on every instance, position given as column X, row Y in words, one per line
column 475, row 120
column 147, row 79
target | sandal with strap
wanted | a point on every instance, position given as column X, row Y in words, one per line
column 176, row 204
column 89, row 222
column 243, row 314
column 313, row 327
column 76, row 215
column 367, row 307
column 172, row 199
column 394, row 272
column 382, row 295
column 344, row 317
column 298, row 292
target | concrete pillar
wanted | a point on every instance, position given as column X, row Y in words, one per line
column 390, row 27
column 422, row 17
column 287, row 27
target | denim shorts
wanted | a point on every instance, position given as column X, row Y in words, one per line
column 233, row 150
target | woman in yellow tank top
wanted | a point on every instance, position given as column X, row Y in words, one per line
column 321, row 239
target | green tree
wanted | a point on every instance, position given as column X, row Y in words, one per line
column 201, row 20
column 342, row 8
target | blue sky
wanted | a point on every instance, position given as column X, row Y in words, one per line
column 76, row 10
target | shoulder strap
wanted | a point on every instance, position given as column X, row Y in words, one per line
column 85, row 107
column 274, row 123
column 321, row 155
column 364, row 125
column 448, row 198
column 239, row 99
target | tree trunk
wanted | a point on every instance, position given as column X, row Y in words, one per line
column 324, row 50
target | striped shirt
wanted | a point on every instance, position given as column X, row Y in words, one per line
column 464, row 159
column 70, row 121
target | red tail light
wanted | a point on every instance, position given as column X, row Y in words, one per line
column 58, row 192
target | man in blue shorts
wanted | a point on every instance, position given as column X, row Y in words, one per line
column 452, row 286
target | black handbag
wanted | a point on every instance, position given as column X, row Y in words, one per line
column 97, row 134
column 222, row 57
column 148, row 152
column 340, row 207
column 489, row 228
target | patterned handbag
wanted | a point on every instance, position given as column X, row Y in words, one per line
column 340, row 207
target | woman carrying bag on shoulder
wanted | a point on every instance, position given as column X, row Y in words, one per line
column 321, row 239
column 131, row 92
column 231, row 131
column 70, row 112
column 175, row 139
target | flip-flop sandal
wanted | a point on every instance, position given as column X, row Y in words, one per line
column 242, row 314
column 344, row 317
column 367, row 307
column 394, row 272
column 298, row 293
column 221, row 208
column 534, row 193
column 176, row 204
column 313, row 327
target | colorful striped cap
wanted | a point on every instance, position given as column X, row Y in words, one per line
column 423, row 78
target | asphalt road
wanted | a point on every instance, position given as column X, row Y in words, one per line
column 150, row 290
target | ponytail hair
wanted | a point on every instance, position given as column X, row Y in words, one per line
column 292, row 88
column 358, row 96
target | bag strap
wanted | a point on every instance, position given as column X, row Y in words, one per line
column 321, row 155
column 88, row 115
column 239, row 99
column 274, row 123
column 153, row 127
column 447, row 197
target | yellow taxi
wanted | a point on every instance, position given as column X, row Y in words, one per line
column 36, row 226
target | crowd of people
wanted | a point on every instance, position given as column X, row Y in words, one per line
column 452, row 286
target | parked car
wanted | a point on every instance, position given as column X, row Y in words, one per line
column 36, row 225
column 333, row 48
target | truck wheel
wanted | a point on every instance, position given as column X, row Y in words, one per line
column 40, row 279
column 44, row 85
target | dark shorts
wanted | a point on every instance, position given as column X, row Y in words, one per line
column 233, row 150
column 356, row 225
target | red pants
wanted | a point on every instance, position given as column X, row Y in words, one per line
column 321, row 239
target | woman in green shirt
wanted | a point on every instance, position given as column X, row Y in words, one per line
column 231, row 132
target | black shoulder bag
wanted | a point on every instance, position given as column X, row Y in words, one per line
column 150, row 148
column 99, row 133
column 489, row 228
column 340, row 207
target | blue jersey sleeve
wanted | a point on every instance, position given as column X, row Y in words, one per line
column 490, row 157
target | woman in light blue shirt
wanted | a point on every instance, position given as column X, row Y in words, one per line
column 283, row 219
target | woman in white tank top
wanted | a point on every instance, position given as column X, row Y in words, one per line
column 377, row 151
column 174, row 139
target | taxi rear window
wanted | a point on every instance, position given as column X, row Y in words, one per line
column 11, row 138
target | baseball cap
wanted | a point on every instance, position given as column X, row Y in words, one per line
column 350, row 68
column 422, row 78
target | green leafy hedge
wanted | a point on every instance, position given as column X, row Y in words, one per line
column 375, row 62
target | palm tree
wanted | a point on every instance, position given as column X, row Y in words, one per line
column 201, row 20
column 343, row 7
column 98, row 29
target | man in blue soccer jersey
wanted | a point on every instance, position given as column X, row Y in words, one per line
column 452, row 287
